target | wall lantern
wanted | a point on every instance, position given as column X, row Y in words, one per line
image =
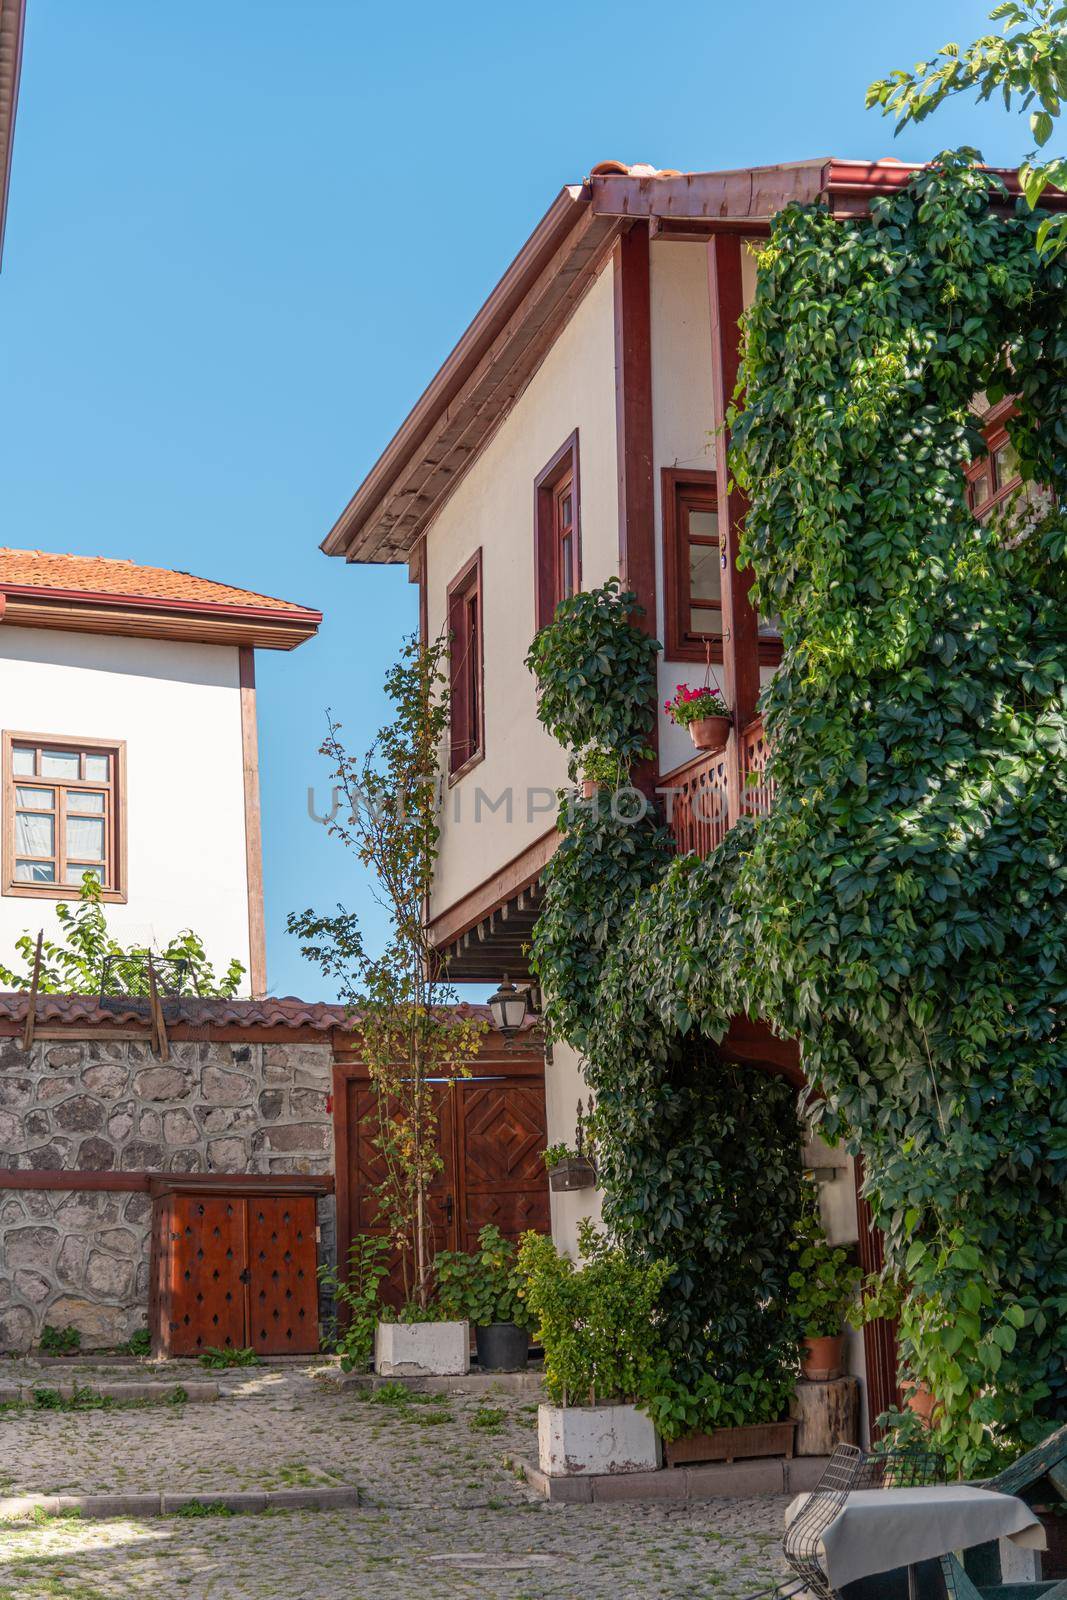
column 509, row 1006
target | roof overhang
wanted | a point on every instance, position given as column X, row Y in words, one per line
column 75, row 611
column 12, row 26
column 492, row 364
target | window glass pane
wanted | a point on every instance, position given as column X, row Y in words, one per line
column 22, row 762
column 35, row 799
column 76, row 871
column 704, row 525
column 1007, row 464
column 35, row 834
column 565, row 511
column 85, row 837
column 60, row 764
column 85, row 800
column 566, row 562
column 980, row 490
column 703, row 619
column 35, row 872
column 96, row 768
column 705, row 573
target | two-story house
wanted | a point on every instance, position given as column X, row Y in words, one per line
column 129, row 749
column 578, row 429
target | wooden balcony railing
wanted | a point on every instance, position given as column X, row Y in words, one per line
column 697, row 796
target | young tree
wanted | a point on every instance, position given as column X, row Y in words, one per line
column 414, row 1042
column 87, row 953
column 1027, row 63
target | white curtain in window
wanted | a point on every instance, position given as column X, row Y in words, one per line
column 34, row 834
column 85, row 838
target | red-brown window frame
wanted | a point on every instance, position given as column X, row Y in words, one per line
column 550, row 487
column 466, row 742
column 994, row 429
column 681, row 644
column 114, row 890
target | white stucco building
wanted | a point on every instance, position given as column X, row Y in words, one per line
column 128, row 725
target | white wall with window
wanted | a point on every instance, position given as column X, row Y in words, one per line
column 122, row 757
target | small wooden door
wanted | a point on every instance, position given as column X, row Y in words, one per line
column 235, row 1271
column 491, row 1133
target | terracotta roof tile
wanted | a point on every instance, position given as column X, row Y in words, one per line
column 284, row 1012
column 106, row 575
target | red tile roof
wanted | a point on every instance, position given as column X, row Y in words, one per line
column 108, row 576
column 286, row 1012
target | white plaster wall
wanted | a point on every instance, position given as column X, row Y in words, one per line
column 564, row 1087
column 177, row 706
column 682, row 425
column 493, row 508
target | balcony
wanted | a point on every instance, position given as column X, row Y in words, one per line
column 698, row 796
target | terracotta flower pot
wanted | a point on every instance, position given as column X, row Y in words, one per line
column 821, row 1359
column 589, row 788
column 922, row 1402
column 710, row 733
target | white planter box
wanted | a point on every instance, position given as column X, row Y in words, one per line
column 422, row 1349
column 588, row 1441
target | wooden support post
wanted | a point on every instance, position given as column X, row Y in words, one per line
column 740, row 628
column 633, row 431
column 879, row 1336
column 31, row 1006
column 257, row 939
column 160, row 1042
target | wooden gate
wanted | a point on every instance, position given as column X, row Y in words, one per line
column 491, row 1130
column 234, row 1270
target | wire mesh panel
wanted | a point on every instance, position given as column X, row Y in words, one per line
column 802, row 1545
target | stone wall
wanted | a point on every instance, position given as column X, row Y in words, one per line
column 74, row 1258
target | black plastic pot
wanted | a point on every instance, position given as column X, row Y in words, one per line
column 502, row 1347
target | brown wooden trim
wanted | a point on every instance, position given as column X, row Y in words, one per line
column 257, row 934
column 417, row 574
column 468, row 748
column 678, row 643
column 342, row 1167
column 117, row 892
column 164, row 1182
column 633, row 432
column 740, row 629
column 264, row 629
column 751, row 1041
column 493, row 892
column 548, row 588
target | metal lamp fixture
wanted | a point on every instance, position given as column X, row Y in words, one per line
column 509, row 1006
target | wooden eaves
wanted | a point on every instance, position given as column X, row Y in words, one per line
column 493, row 362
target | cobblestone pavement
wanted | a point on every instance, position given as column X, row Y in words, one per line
column 445, row 1512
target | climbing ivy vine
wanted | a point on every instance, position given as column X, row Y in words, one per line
column 902, row 909
column 904, row 903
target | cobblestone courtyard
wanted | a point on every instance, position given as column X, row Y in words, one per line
column 444, row 1511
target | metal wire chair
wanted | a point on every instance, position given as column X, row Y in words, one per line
column 847, row 1469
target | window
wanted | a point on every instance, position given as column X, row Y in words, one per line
column 994, row 476
column 692, row 566
column 557, row 531
column 467, row 712
column 63, row 815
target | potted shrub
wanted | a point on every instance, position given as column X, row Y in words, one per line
column 484, row 1287
column 596, row 1323
column 725, row 1418
column 824, row 1283
column 569, row 1169
column 601, row 769
column 704, row 712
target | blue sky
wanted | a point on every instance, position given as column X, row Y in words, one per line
column 242, row 236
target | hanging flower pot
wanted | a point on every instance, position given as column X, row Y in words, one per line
column 704, row 712
column 710, row 733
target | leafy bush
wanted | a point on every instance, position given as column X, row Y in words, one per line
column 60, row 1341
column 484, row 1285
column 597, row 1322
column 76, row 962
column 823, row 1280
column 596, row 675
column 762, row 1395
column 138, row 1344
column 358, row 1291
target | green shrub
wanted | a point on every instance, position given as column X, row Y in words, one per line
column 677, row 1408
column 823, row 1280
column 484, row 1285
column 60, row 1341
column 358, row 1292
column 596, row 1322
